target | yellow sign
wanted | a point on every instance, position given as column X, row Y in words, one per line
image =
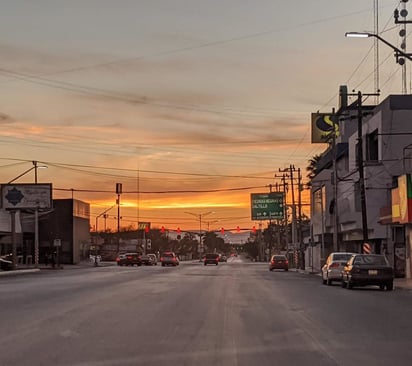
column 323, row 125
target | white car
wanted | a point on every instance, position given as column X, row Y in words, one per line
column 332, row 269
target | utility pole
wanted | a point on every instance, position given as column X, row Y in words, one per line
column 290, row 171
column 300, row 236
column 282, row 223
column 119, row 190
column 361, row 171
column 335, row 234
column 360, row 164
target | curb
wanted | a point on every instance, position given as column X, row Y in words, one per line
column 18, row 272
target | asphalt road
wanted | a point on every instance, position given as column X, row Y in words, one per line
column 232, row 314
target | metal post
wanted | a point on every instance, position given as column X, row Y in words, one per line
column 36, row 224
column 335, row 189
column 36, row 237
column 322, row 216
column 13, row 238
column 118, row 213
column 361, row 172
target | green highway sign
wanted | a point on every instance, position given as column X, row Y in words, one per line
column 267, row 206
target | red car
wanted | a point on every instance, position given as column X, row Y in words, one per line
column 279, row 261
column 169, row 259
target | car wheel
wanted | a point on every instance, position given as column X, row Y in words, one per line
column 205, row 264
column 382, row 286
column 389, row 286
column 163, row 264
column 270, row 269
column 286, row 269
column 328, row 281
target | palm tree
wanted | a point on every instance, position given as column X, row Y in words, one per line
column 312, row 168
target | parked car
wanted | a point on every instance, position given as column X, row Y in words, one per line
column 279, row 261
column 222, row 258
column 211, row 258
column 149, row 260
column 332, row 269
column 368, row 269
column 129, row 259
column 169, row 259
column 6, row 262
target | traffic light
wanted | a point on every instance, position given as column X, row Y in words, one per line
column 162, row 230
column 238, row 229
column 254, row 229
column 222, row 230
column 178, row 230
column 146, row 228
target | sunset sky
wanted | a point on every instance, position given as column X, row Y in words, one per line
column 192, row 105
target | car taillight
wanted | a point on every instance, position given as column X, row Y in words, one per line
column 161, row 259
column 273, row 262
column 117, row 259
column 287, row 262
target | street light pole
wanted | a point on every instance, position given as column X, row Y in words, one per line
column 398, row 52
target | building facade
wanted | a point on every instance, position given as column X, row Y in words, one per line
column 350, row 209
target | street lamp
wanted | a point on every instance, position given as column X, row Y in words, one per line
column 398, row 52
column 36, row 215
column 199, row 216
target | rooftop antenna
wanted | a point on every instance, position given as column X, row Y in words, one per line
column 403, row 13
column 376, row 49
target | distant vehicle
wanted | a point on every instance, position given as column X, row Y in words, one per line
column 129, row 259
column 279, row 261
column 332, row 269
column 153, row 258
column 169, row 259
column 368, row 269
column 211, row 258
column 222, row 258
column 149, row 260
column 6, row 262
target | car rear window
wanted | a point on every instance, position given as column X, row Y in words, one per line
column 279, row 258
column 341, row 257
column 371, row 259
column 211, row 256
column 170, row 255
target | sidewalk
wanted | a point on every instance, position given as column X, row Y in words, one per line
column 42, row 267
column 399, row 283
